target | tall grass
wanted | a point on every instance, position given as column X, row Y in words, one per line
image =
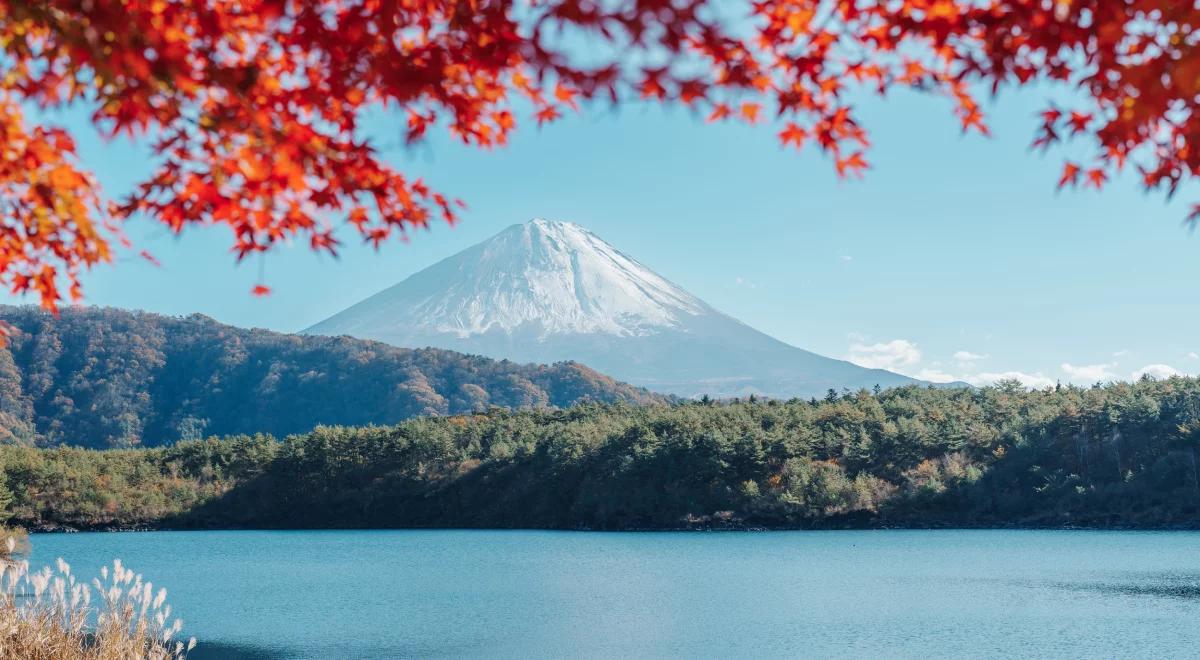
column 50, row 615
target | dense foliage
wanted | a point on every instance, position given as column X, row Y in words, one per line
column 253, row 109
column 111, row 378
column 1118, row 455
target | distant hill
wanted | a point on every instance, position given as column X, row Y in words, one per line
column 114, row 378
column 546, row 291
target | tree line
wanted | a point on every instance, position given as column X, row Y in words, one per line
column 1120, row 455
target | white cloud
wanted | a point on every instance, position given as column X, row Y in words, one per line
column 892, row 355
column 905, row 357
column 1194, row 355
column 741, row 281
column 1157, row 371
column 1120, row 353
column 967, row 358
column 846, row 257
column 936, row 376
column 1037, row 380
column 1088, row 373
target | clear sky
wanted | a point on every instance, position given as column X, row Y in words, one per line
column 954, row 257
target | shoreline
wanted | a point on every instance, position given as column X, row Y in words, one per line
column 112, row 529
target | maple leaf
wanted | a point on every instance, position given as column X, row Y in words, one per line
column 793, row 134
column 852, row 165
column 691, row 91
column 1070, row 175
column 547, row 114
column 566, row 95
column 1193, row 216
column 324, row 241
column 720, row 111
column 750, row 112
column 652, row 88
column 1079, row 122
column 1043, row 141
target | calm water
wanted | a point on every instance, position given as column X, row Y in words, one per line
column 385, row 594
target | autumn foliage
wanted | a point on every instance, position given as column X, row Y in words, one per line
column 254, row 107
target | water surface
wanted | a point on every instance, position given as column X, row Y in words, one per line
column 390, row 594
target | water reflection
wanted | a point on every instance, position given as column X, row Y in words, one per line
column 1180, row 586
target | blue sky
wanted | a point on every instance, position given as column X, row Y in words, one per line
column 954, row 257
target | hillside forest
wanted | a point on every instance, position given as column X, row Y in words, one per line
column 108, row 378
column 1120, row 455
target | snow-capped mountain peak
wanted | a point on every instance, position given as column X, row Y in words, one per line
column 548, row 291
column 544, row 276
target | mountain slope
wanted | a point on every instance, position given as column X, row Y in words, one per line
column 547, row 291
column 107, row 377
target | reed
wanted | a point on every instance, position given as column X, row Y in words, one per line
column 48, row 614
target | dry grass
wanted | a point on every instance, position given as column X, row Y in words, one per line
column 49, row 615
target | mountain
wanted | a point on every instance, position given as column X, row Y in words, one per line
column 547, row 291
column 112, row 378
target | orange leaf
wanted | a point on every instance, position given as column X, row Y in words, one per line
column 853, row 165
column 566, row 95
column 547, row 114
column 793, row 134
column 720, row 111
column 1070, row 175
column 750, row 112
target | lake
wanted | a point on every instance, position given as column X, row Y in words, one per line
column 388, row 594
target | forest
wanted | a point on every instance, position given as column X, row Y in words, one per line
column 1118, row 455
column 109, row 378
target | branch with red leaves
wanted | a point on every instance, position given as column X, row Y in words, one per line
column 253, row 106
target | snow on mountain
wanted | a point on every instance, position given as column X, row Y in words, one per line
column 548, row 291
column 555, row 275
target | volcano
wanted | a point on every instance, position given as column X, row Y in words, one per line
column 548, row 291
